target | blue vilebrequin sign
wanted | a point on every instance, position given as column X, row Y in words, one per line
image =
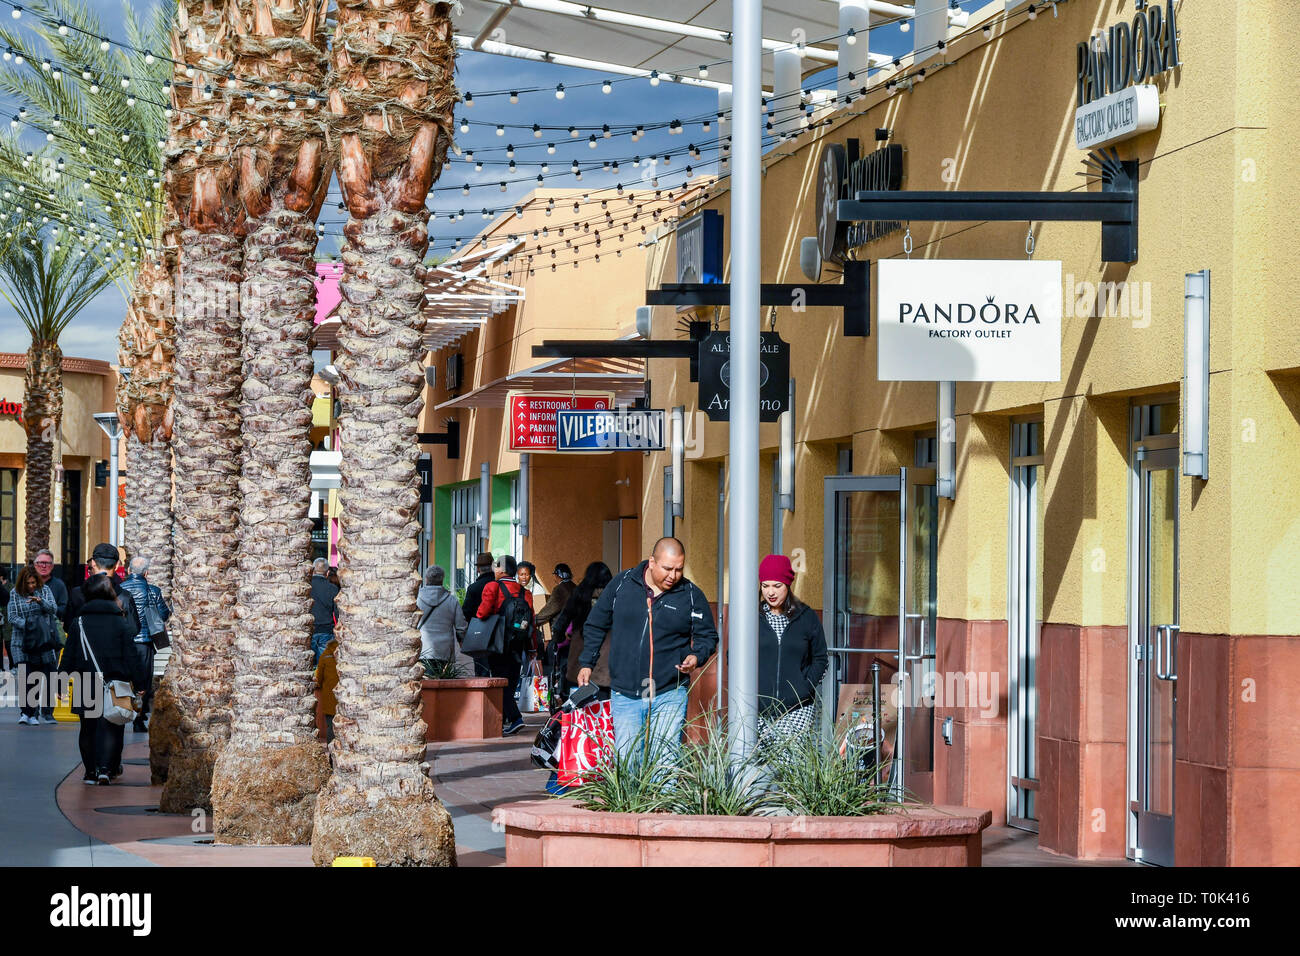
column 620, row 430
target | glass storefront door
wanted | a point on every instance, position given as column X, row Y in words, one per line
column 880, row 534
column 1153, row 635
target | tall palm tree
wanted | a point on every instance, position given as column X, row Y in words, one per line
column 201, row 186
column 47, row 282
column 266, row 780
column 393, row 96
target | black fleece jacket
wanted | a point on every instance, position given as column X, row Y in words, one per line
column 683, row 625
column 790, row 666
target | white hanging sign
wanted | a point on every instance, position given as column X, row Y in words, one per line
column 1117, row 116
column 968, row 320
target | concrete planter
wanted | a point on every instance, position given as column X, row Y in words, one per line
column 559, row 833
column 467, row 708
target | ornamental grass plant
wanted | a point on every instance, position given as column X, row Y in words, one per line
column 791, row 774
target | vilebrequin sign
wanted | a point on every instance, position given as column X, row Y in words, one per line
column 968, row 320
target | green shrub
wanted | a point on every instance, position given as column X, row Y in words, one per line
column 441, row 670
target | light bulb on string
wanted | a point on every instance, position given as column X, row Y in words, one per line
column 704, row 72
column 559, row 91
column 537, row 131
column 16, row 12
column 851, row 37
column 606, row 87
column 550, row 149
column 514, row 97
column 654, row 77
column 904, row 26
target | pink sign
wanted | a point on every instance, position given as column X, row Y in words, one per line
column 328, row 296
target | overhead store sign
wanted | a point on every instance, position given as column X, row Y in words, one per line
column 715, row 377
column 620, row 430
column 533, row 415
column 843, row 175
column 969, row 320
column 1113, row 97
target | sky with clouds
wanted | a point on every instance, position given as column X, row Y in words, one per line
column 93, row 333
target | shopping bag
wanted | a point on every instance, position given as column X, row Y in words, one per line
column 481, row 637
column 586, row 736
column 527, row 695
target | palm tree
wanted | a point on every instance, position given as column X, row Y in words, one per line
column 47, row 282
column 91, row 113
column 107, row 136
column 267, row 777
column 393, row 96
column 201, row 189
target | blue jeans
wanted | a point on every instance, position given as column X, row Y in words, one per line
column 318, row 642
column 665, row 714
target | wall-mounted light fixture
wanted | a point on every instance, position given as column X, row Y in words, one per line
column 669, row 529
column 1196, row 383
column 785, row 457
column 678, row 500
column 485, row 504
column 946, row 432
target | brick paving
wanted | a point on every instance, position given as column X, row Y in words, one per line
column 52, row 819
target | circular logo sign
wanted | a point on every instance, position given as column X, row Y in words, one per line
column 832, row 235
column 726, row 374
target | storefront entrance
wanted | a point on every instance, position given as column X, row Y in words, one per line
column 1153, row 633
column 9, row 521
column 1024, row 621
column 880, row 558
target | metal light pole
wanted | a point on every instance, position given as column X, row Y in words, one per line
column 113, row 429
column 746, row 276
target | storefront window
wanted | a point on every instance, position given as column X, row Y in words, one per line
column 9, row 520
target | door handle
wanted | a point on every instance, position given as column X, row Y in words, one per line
column 1166, row 652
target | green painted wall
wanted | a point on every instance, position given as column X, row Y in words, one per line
column 501, row 526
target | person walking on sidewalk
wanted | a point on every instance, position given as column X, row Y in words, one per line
column 34, row 643
column 148, row 597
column 661, row 629
column 792, row 656
column 103, row 560
column 555, row 647
column 326, row 677
column 496, row 594
column 111, row 639
column 44, row 564
column 323, row 593
column 473, row 598
column 442, row 622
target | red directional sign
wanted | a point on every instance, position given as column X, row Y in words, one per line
column 532, row 415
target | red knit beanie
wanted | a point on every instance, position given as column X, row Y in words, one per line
column 776, row 567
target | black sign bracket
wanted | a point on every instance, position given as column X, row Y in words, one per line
column 1115, row 206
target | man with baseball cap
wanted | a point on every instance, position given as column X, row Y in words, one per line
column 103, row 560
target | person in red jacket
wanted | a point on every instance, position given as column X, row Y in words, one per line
column 508, row 663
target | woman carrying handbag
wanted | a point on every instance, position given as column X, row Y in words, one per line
column 100, row 652
column 34, row 643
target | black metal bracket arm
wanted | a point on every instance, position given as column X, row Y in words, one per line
column 853, row 295
column 1115, row 207
column 450, row 438
column 630, row 349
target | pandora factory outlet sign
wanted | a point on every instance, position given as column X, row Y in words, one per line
column 969, row 320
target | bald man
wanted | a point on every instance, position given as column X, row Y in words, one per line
column 661, row 630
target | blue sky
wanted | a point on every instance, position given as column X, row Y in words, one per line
column 631, row 101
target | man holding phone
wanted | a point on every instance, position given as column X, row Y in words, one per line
column 662, row 631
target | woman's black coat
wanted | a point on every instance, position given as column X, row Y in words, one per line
column 112, row 638
column 790, row 667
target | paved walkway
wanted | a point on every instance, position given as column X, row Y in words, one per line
column 51, row 819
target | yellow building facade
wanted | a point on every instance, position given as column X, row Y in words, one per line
column 1074, row 548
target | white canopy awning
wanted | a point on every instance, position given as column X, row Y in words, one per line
column 624, row 377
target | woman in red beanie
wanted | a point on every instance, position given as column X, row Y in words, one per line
column 791, row 655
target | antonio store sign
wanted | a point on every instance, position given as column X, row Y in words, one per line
column 1108, row 109
column 773, row 377
column 969, row 320
column 842, row 175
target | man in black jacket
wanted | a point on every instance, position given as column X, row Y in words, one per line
column 662, row 630
column 323, row 593
column 473, row 598
column 103, row 560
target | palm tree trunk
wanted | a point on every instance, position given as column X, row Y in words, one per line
column 267, row 777
column 42, row 417
column 265, row 782
column 380, row 802
column 206, row 445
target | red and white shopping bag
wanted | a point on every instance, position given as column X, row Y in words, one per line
column 586, row 737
